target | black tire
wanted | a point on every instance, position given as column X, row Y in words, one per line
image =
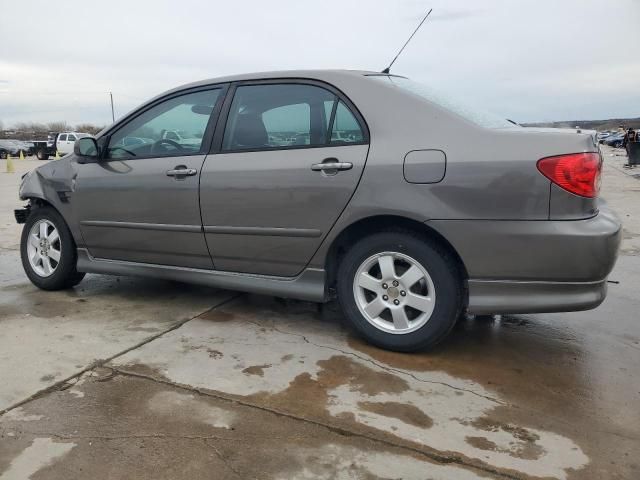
column 65, row 274
column 617, row 145
column 42, row 155
column 441, row 267
column 3, row 155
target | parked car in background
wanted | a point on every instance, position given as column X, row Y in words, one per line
column 8, row 147
column 380, row 204
column 134, row 141
column 26, row 148
column 30, row 147
column 614, row 140
column 182, row 137
column 66, row 140
column 20, row 146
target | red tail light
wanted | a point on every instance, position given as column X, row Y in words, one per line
column 578, row 173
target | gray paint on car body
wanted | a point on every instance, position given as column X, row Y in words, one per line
column 506, row 221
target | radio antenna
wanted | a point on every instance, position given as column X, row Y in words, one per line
column 388, row 69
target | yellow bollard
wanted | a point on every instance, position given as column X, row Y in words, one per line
column 21, row 155
column 10, row 168
column 57, row 157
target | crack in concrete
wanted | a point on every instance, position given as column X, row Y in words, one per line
column 394, row 370
column 382, row 366
column 432, row 454
column 128, row 437
column 225, row 461
column 229, row 438
column 101, row 362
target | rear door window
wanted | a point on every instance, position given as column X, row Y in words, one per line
column 277, row 116
column 71, row 138
column 62, row 138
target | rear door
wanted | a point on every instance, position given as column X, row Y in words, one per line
column 287, row 159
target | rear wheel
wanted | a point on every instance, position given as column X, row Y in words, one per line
column 42, row 155
column 48, row 251
column 400, row 291
column 3, row 154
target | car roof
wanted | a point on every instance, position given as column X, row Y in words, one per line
column 327, row 75
column 318, row 74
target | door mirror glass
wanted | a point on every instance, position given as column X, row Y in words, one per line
column 86, row 148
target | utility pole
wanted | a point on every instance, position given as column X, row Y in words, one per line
column 113, row 115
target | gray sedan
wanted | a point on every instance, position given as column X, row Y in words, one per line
column 368, row 187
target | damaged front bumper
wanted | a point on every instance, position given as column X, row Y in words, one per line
column 22, row 214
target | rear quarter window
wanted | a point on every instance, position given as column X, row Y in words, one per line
column 448, row 102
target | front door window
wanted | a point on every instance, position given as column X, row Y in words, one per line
column 175, row 127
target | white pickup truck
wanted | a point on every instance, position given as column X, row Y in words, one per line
column 66, row 140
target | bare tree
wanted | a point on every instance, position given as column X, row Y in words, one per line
column 88, row 128
column 61, row 126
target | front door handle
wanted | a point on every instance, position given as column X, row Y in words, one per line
column 331, row 166
column 181, row 171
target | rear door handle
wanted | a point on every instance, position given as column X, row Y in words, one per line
column 181, row 171
column 331, row 164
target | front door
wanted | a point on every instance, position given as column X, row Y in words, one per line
column 140, row 203
column 288, row 162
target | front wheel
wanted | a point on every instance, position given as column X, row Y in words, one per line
column 48, row 251
column 400, row 291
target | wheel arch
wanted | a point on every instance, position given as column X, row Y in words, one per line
column 375, row 224
column 39, row 202
column 36, row 202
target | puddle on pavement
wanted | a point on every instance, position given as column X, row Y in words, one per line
column 186, row 407
column 41, row 453
column 95, row 292
column 409, row 414
column 335, row 462
column 312, row 374
column 138, row 428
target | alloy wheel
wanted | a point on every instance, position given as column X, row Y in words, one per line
column 43, row 248
column 394, row 292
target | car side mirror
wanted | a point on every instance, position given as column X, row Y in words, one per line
column 86, row 149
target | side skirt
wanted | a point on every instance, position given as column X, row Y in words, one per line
column 309, row 285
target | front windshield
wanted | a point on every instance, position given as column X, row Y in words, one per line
column 448, row 102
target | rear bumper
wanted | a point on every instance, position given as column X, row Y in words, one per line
column 496, row 296
column 535, row 266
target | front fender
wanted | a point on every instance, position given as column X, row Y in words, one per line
column 31, row 186
column 54, row 184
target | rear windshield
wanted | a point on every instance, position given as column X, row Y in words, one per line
column 448, row 102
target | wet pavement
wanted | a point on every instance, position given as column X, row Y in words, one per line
column 133, row 378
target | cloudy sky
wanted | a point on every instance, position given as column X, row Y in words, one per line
column 529, row 60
